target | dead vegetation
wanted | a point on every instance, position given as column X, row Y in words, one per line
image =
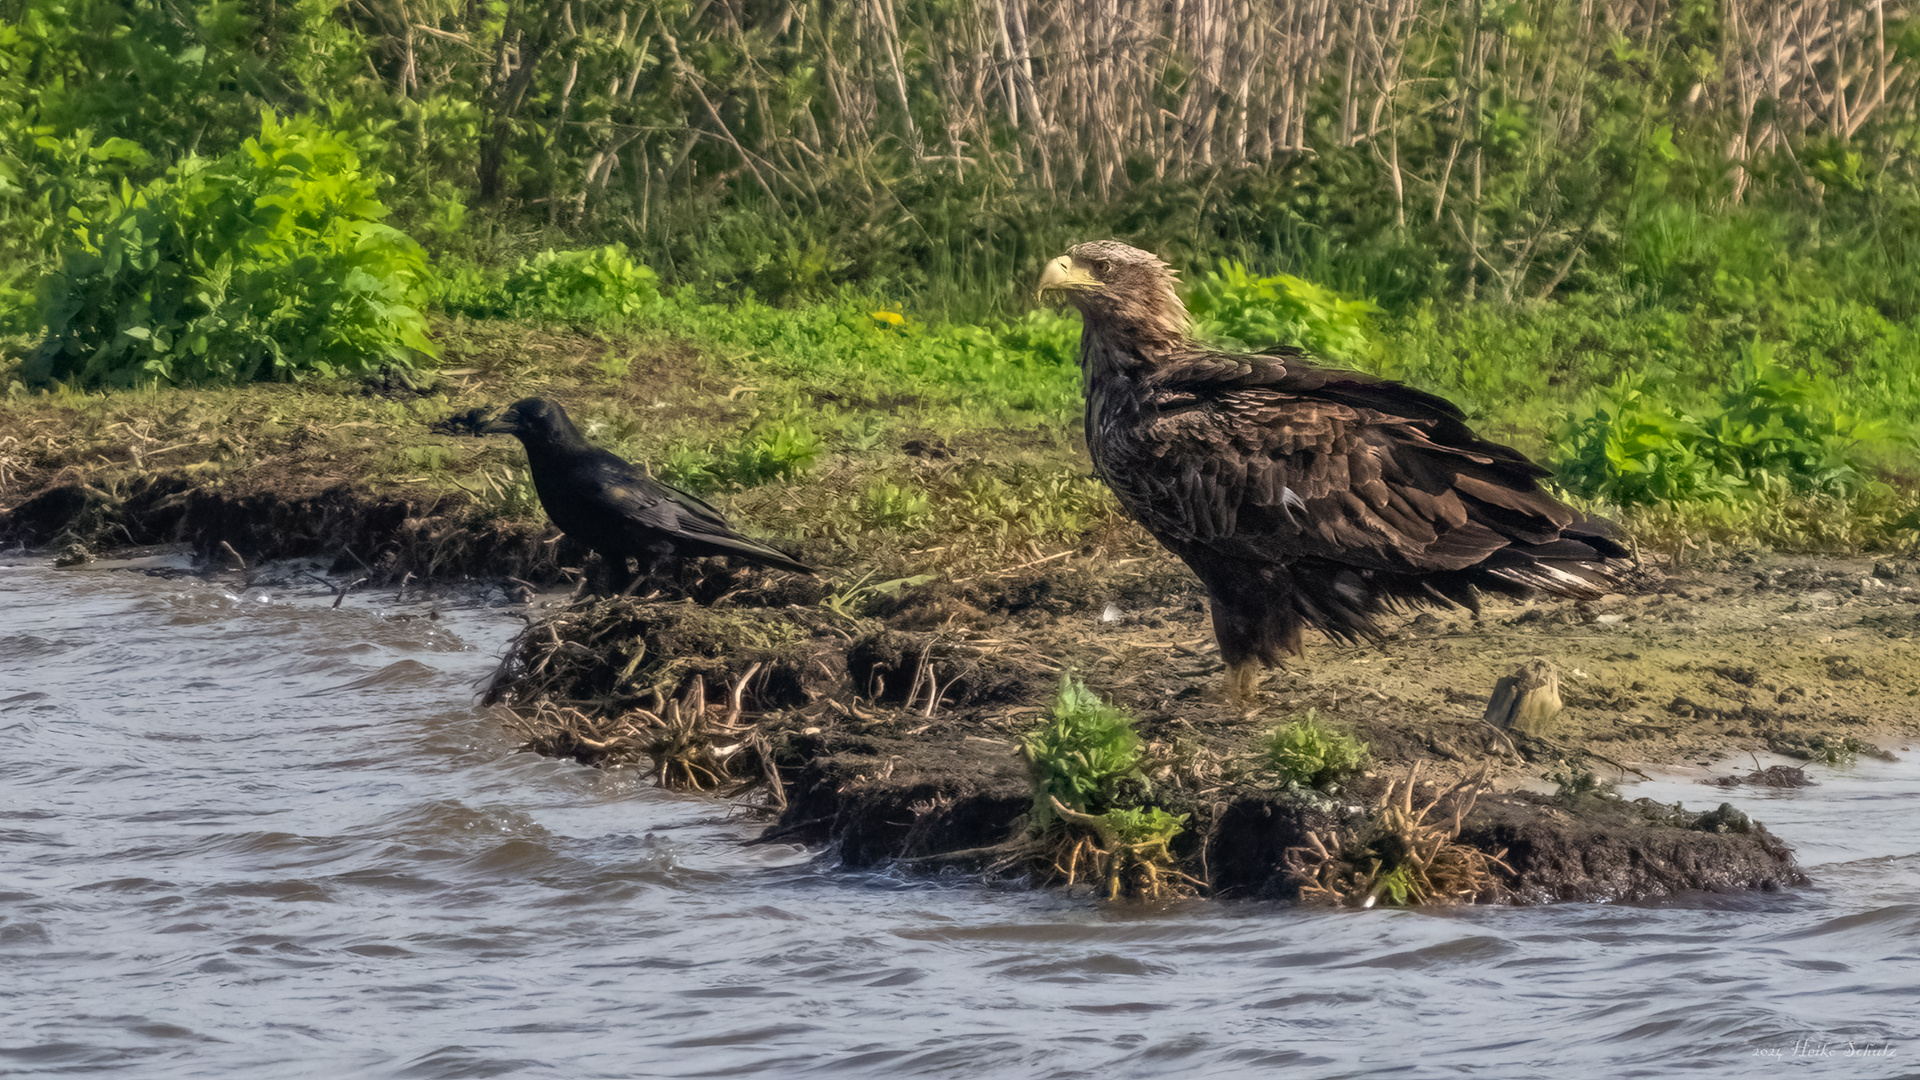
column 1398, row 854
column 688, row 745
column 618, row 681
column 619, row 653
column 1129, row 853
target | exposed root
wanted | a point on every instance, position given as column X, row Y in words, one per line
column 687, row 745
column 1398, row 855
column 1127, row 852
column 617, row 653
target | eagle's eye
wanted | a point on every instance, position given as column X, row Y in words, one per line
column 1099, row 266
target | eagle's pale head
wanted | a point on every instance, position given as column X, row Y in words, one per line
column 1119, row 289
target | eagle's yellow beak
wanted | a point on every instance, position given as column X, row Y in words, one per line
column 1065, row 275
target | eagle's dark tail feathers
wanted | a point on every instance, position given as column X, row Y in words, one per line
column 1259, row 612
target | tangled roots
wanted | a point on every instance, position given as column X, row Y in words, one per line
column 1399, row 855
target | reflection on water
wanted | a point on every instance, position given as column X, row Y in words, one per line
column 244, row 834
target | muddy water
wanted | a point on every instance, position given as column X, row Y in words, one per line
column 244, row 834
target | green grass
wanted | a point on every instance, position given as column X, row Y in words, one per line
column 1690, row 427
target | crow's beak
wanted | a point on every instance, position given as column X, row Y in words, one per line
column 466, row 423
column 499, row 425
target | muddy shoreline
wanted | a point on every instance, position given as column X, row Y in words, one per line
column 885, row 724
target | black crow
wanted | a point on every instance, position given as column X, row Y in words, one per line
column 610, row 506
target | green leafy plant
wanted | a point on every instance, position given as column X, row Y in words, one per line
column 1129, row 850
column 1771, row 426
column 847, row 600
column 1239, row 309
column 268, row 263
column 1310, row 753
column 1144, row 825
column 689, row 466
column 601, row 283
column 1635, row 449
column 885, row 504
column 776, row 450
column 1082, row 755
column 1784, row 423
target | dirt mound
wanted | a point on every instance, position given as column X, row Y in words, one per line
column 621, row 652
column 906, row 668
column 381, row 537
column 894, row 734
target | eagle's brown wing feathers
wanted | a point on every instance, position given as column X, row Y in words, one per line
column 1267, row 459
column 1370, row 491
column 1301, row 495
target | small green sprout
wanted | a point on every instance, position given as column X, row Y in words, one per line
column 1310, row 753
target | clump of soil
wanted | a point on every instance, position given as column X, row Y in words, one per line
column 381, row 538
column 893, row 734
column 928, row 670
column 1627, row 850
column 1774, row 776
column 899, row 742
column 619, row 652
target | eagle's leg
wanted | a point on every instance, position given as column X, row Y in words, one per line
column 1243, row 681
column 1255, row 626
column 1241, row 688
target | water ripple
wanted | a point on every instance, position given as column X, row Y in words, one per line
column 250, row 835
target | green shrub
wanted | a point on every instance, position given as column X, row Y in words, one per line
column 1632, row 450
column 1236, row 309
column 1310, row 753
column 1787, row 425
column 600, row 283
column 1082, row 755
column 270, row 262
column 1773, row 427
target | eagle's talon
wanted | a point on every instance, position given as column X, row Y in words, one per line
column 1240, row 690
